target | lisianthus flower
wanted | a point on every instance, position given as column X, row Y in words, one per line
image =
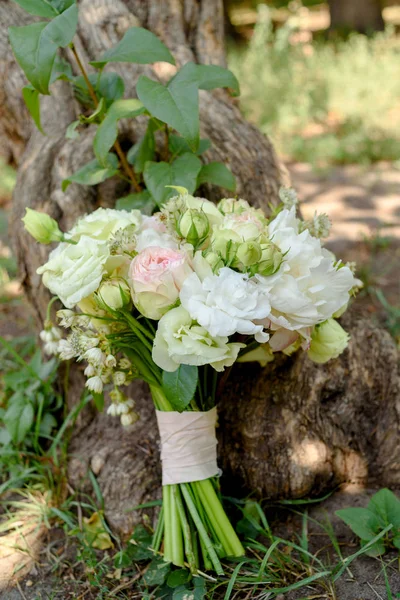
column 180, row 340
column 74, row 271
column 103, row 222
column 226, row 303
column 327, row 341
column 156, row 277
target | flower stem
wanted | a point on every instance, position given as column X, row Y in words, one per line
column 219, row 519
column 187, row 538
column 177, row 546
column 158, row 534
column 167, row 531
column 201, row 529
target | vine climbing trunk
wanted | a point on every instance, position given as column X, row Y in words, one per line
column 287, row 430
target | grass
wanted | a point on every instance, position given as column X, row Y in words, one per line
column 322, row 102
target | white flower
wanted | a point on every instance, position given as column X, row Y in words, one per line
column 129, row 419
column 226, row 303
column 112, row 410
column 119, row 378
column 95, row 384
column 124, row 363
column 110, row 361
column 66, row 350
column 180, row 340
column 66, row 317
column 94, row 356
column 90, row 371
column 73, row 272
column 103, row 222
column 288, row 197
column 151, row 237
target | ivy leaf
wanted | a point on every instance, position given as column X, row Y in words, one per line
column 141, row 201
column 18, row 417
column 362, row 521
column 144, row 149
column 44, row 8
column 157, row 572
column 218, row 174
column 93, row 172
column 178, row 577
column 177, row 105
column 35, row 46
column 71, row 133
column 107, row 132
column 137, row 46
column 182, row 172
column 32, row 101
column 177, row 145
column 386, row 506
column 207, row 77
column 180, row 386
column 61, row 70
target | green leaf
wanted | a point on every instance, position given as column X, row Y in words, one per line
column 107, row 132
column 177, row 145
column 71, row 133
column 111, row 87
column 144, row 149
column 141, row 201
column 196, row 592
column 218, row 174
column 93, row 173
column 137, row 46
column 35, row 46
column 374, row 550
column 19, row 417
column 32, row 101
column 180, row 386
column 182, row 172
column 44, row 8
column 386, row 506
column 361, row 521
column 61, row 70
column 157, row 572
column 96, row 114
column 140, row 543
column 98, row 400
column 179, row 577
column 207, row 77
column 177, row 105
column 47, row 424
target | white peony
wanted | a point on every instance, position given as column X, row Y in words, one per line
column 180, row 340
column 73, row 272
column 226, row 303
column 103, row 222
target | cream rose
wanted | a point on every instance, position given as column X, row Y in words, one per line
column 156, row 276
column 180, row 340
column 74, row 271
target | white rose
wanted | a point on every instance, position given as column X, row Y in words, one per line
column 180, row 340
column 226, row 303
column 73, row 272
column 103, row 222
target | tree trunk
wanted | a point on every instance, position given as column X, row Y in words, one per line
column 364, row 16
column 288, row 430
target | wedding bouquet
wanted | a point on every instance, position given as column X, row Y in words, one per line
column 176, row 298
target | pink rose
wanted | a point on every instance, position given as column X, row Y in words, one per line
column 156, row 276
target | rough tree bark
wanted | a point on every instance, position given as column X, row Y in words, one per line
column 288, row 430
column 364, row 16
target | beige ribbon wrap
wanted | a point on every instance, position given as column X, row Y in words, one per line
column 188, row 445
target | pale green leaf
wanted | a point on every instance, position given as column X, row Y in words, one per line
column 19, row 417
column 362, row 521
column 93, row 173
column 32, row 101
column 141, row 201
column 218, row 174
column 182, row 172
column 71, row 133
column 44, row 8
column 35, row 46
column 137, row 46
column 107, row 132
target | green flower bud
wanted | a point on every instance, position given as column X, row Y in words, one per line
column 223, row 244
column 271, row 259
column 42, row 227
column 248, row 253
column 328, row 340
column 214, row 260
column 114, row 293
column 194, row 226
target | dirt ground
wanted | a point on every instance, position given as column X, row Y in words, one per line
column 364, row 205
